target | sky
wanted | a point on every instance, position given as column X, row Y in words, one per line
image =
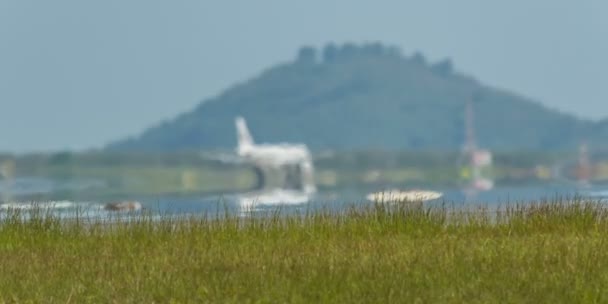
column 77, row 74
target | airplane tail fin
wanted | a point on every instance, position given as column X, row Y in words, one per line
column 243, row 136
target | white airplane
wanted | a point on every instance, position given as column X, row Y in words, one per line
column 293, row 161
column 268, row 155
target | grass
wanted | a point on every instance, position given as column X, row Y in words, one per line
column 550, row 253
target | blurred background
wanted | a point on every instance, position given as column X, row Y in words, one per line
column 482, row 101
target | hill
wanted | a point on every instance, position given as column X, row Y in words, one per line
column 367, row 96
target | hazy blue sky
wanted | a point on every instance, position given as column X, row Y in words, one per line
column 77, row 74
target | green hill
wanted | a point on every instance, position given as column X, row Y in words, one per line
column 367, row 96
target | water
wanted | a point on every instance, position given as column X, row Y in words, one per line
column 292, row 201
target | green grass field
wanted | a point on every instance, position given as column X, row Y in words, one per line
column 553, row 253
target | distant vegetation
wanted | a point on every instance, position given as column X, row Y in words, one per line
column 553, row 253
column 121, row 174
column 368, row 96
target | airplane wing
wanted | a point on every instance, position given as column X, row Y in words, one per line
column 224, row 158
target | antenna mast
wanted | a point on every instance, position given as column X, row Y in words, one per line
column 470, row 144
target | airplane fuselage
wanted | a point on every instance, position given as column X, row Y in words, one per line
column 275, row 155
